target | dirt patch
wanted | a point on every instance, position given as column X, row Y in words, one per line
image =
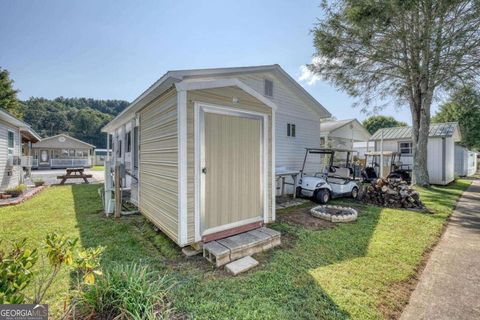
column 302, row 217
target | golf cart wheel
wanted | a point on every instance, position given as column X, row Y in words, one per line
column 323, row 195
column 354, row 192
column 298, row 192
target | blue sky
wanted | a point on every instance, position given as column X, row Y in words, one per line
column 116, row 49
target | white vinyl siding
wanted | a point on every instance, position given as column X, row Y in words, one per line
column 292, row 109
column 434, row 159
column 9, row 175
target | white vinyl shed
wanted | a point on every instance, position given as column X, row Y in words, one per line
column 441, row 146
column 465, row 161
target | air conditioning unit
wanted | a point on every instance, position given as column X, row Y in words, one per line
column 13, row 161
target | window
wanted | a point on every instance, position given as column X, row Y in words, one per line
column 268, row 88
column 405, row 147
column 129, row 141
column 11, row 142
column 291, row 130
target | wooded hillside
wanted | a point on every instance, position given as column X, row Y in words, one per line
column 81, row 118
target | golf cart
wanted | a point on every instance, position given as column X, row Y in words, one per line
column 330, row 180
column 393, row 168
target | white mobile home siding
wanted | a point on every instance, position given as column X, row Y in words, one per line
column 289, row 151
column 10, row 175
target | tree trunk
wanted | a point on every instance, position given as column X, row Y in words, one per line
column 420, row 108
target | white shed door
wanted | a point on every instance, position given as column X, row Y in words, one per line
column 231, row 172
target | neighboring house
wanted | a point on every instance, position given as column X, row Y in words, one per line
column 465, row 161
column 342, row 133
column 16, row 138
column 362, row 147
column 441, row 145
column 200, row 148
column 100, row 155
column 62, row 151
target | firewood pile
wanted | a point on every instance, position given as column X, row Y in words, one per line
column 392, row 193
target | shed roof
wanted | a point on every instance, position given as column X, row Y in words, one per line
column 328, row 127
column 175, row 76
column 447, row 129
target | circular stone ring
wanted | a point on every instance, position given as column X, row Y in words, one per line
column 334, row 213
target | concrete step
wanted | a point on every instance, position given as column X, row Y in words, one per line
column 241, row 265
column 221, row 252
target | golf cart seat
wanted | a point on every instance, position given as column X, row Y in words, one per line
column 369, row 174
column 339, row 172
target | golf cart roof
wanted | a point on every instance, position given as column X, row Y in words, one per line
column 327, row 150
column 379, row 153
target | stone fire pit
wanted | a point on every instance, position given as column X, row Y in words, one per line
column 334, row 213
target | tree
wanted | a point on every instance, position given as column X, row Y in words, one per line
column 373, row 123
column 463, row 107
column 8, row 95
column 405, row 51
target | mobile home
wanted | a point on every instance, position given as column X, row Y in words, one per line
column 200, row 148
column 441, row 143
column 62, row 151
column 16, row 138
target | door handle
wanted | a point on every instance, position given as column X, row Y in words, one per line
column 204, row 170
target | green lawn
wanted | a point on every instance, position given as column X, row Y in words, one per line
column 344, row 272
column 98, row 168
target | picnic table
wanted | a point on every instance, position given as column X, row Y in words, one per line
column 74, row 173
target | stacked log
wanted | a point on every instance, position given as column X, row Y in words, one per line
column 392, row 193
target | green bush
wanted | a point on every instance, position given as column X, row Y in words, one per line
column 128, row 292
column 16, row 272
column 38, row 182
column 16, row 191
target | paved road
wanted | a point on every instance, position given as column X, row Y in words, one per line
column 449, row 287
column 50, row 176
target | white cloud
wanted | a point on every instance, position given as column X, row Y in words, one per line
column 307, row 76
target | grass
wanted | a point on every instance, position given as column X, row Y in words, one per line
column 339, row 273
column 98, row 168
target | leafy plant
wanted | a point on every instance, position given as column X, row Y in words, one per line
column 16, row 191
column 128, row 292
column 60, row 251
column 16, row 272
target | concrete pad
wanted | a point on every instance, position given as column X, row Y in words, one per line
column 241, row 265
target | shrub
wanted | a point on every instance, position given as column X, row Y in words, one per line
column 16, row 191
column 128, row 292
column 16, row 272
column 38, row 182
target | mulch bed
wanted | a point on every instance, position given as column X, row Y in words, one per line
column 24, row 197
column 302, row 217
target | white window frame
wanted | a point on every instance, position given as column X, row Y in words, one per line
column 10, row 149
column 400, row 148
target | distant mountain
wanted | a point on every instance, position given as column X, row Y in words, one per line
column 81, row 118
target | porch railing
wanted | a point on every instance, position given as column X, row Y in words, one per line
column 26, row 161
column 68, row 163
